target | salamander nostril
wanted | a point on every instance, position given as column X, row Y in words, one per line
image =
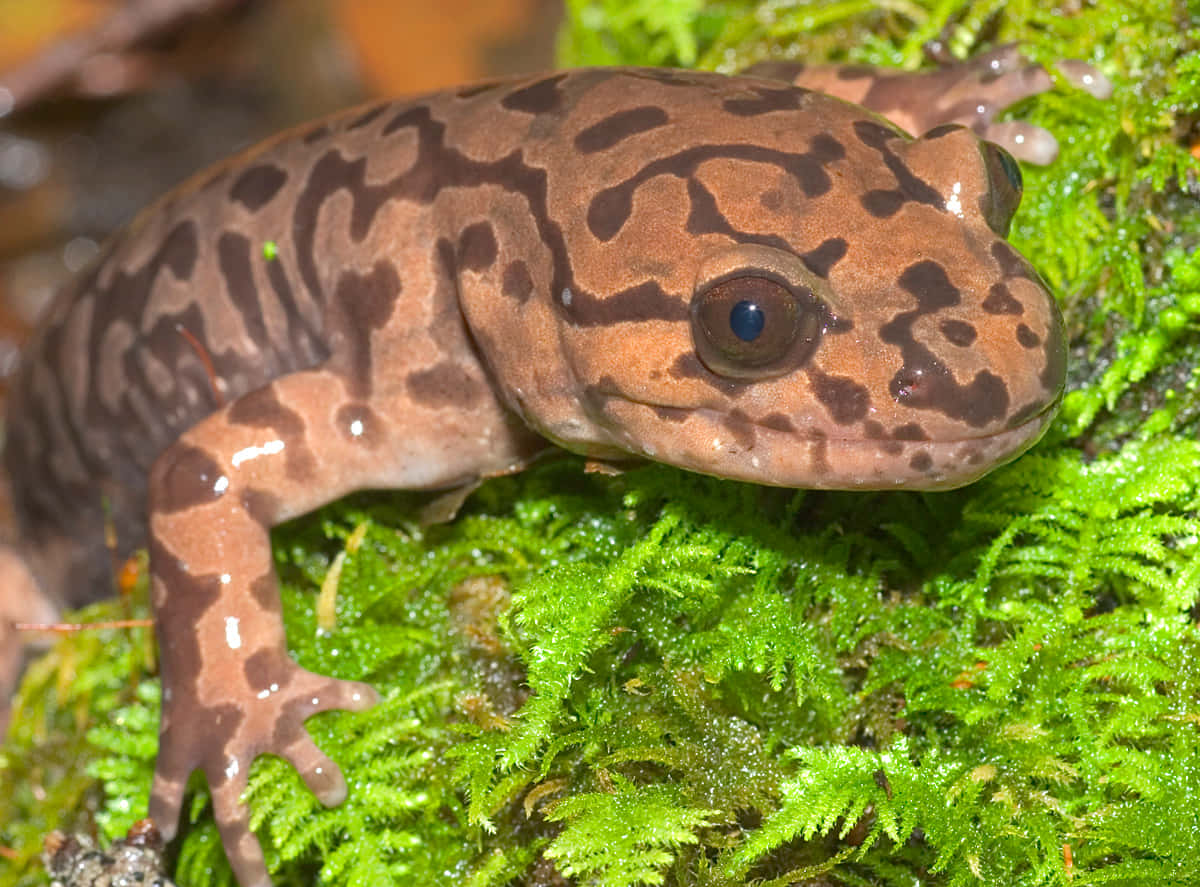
column 905, row 385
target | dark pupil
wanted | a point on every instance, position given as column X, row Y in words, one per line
column 1011, row 170
column 746, row 320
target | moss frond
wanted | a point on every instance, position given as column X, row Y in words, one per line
column 622, row 836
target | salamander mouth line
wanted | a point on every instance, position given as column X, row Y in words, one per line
column 716, row 417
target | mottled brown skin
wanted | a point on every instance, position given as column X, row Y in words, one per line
column 455, row 280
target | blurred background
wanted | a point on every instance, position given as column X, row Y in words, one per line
column 106, row 104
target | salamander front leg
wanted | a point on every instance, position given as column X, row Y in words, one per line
column 230, row 689
column 972, row 93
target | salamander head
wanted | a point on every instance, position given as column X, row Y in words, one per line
column 880, row 334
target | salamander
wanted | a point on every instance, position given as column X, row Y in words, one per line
column 733, row 275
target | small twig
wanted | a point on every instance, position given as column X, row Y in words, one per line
column 206, row 359
column 72, row 58
column 70, row 627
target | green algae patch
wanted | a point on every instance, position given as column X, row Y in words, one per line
column 661, row 678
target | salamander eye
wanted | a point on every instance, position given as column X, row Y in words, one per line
column 752, row 327
column 1004, row 188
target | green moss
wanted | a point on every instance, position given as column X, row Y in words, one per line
column 58, row 770
column 664, row 678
